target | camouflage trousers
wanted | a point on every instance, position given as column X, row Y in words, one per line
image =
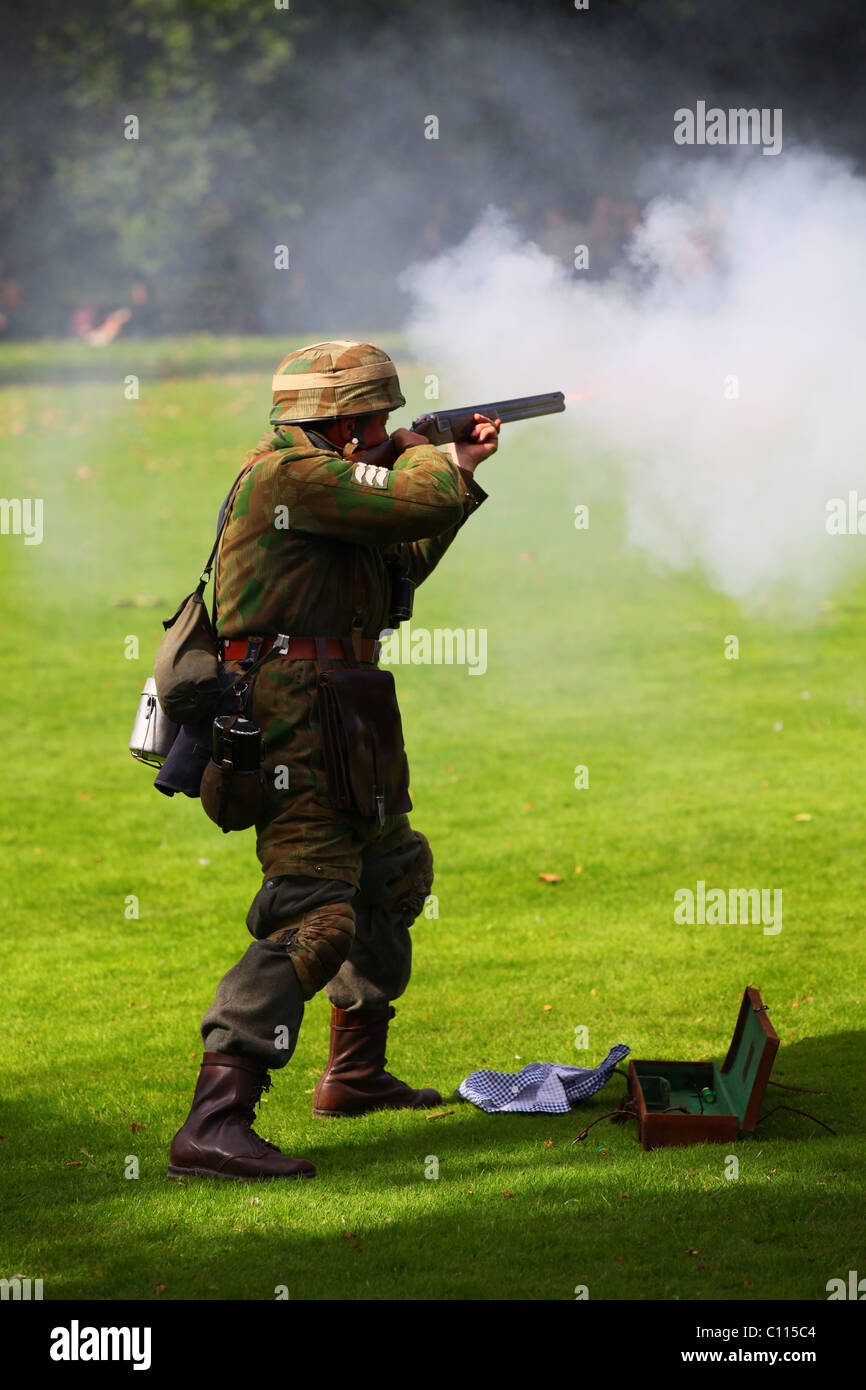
column 314, row 933
column 300, row 833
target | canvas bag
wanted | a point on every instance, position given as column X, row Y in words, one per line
column 186, row 667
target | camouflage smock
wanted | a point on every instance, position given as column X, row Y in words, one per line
column 303, row 553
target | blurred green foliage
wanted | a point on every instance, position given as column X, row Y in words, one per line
column 260, row 125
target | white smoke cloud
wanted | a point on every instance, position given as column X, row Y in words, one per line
column 725, row 362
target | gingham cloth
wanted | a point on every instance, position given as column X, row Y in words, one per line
column 550, row 1088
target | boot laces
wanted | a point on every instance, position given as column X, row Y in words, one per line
column 263, row 1143
column 250, row 1117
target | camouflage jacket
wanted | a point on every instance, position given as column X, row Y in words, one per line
column 304, row 549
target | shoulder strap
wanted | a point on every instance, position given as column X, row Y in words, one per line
column 224, row 514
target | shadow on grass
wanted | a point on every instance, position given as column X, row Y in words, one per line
column 508, row 1217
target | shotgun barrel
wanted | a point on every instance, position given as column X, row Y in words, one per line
column 452, row 426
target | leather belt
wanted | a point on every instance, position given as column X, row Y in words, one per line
column 296, row 648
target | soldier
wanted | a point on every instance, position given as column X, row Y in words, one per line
column 307, row 551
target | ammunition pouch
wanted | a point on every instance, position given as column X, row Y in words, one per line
column 233, row 787
column 233, row 800
column 362, row 739
column 402, row 587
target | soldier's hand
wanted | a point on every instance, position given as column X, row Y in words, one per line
column 407, row 439
column 483, row 442
column 391, row 447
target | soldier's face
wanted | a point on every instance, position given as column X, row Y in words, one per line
column 369, row 431
column 372, row 430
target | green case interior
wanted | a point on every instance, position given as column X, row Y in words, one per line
column 672, row 1084
column 666, row 1084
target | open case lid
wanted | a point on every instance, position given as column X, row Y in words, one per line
column 750, row 1058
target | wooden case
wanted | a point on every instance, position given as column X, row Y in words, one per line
column 738, row 1087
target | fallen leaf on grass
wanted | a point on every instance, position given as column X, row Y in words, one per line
column 550, row 878
column 804, row 815
column 75, row 1163
column 135, row 1127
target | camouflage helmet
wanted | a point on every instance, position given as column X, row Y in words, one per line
column 326, row 380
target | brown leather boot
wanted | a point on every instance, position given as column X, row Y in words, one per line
column 355, row 1081
column 218, row 1140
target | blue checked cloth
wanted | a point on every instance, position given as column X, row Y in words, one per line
column 548, row 1088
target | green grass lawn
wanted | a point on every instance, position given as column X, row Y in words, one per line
column 699, row 768
column 60, row 361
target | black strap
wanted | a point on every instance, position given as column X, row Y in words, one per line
column 794, row 1111
column 810, row 1089
column 323, row 661
column 205, row 574
column 348, row 645
column 240, row 686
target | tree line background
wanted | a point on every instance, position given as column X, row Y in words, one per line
column 305, row 126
